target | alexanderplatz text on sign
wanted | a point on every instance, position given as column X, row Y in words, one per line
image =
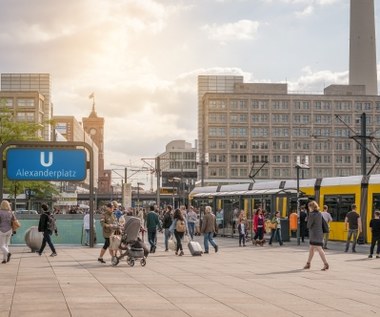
column 46, row 164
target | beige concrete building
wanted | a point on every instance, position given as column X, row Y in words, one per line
column 32, row 82
column 25, row 106
column 258, row 123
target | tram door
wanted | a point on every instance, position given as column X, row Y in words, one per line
column 230, row 209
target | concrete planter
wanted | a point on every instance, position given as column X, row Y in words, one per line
column 33, row 238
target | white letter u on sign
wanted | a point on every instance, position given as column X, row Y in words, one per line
column 43, row 160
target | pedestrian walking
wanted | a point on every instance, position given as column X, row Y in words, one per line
column 178, row 229
column 107, row 222
column 374, row 224
column 353, row 225
column 166, row 223
column 314, row 224
column 6, row 216
column 276, row 230
column 208, row 229
column 326, row 215
column 152, row 223
column 191, row 218
column 47, row 226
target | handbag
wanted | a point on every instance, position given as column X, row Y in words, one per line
column 172, row 244
column 115, row 240
column 15, row 223
column 325, row 226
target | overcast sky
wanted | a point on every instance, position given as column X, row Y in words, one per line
column 142, row 57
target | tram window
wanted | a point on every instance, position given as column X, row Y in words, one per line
column 339, row 205
column 376, row 203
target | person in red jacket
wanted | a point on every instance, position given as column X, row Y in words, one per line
column 259, row 227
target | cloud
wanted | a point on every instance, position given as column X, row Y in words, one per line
column 305, row 12
column 315, row 82
column 240, row 30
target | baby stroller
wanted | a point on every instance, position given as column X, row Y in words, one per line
column 132, row 246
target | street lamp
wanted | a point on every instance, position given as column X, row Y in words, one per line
column 202, row 160
column 174, row 180
column 300, row 166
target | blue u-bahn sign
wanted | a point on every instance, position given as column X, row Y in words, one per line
column 46, row 164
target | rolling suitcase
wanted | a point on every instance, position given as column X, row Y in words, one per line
column 195, row 248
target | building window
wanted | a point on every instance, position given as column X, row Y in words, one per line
column 259, row 104
column 343, row 106
column 219, row 132
column 238, row 144
column 280, row 105
column 260, row 132
column 301, row 132
column 7, row 102
column 25, row 116
column 25, row 102
column 238, row 104
column 243, row 172
column 238, row 132
column 322, row 131
column 281, row 132
column 217, row 118
column 217, row 104
column 259, row 118
column 280, row 118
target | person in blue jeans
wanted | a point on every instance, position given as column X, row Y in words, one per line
column 208, row 229
column 191, row 218
column 276, row 232
column 152, row 222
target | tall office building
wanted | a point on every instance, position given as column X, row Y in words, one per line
column 32, row 82
column 363, row 67
column 215, row 84
column 261, row 128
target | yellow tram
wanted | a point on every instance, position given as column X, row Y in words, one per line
column 338, row 193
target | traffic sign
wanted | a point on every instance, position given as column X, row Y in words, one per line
column 46, row 164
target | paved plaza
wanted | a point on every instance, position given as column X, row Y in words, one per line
column 235, row 282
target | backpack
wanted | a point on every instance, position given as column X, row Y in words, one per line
column 51, row 225
column 167, row 222
column 180, row 226
column 325, row 226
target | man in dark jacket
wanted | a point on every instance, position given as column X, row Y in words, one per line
column 46, row 225
column 152, row 222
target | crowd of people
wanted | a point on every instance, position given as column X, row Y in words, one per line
column 180, row 222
